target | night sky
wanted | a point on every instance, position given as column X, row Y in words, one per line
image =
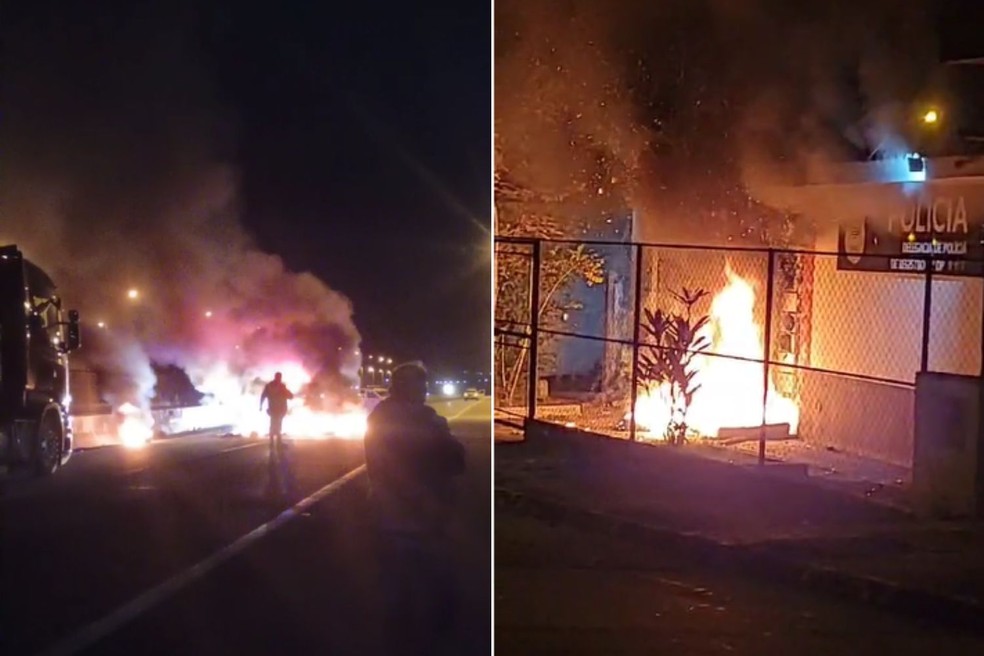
column 351, row 140
column 690, row 110
column 365, row 147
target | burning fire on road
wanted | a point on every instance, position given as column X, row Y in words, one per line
column 729, row 383
column 309, row 416
column 234, row 401
column 136, row 428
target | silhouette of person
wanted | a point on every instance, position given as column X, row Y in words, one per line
column 412, row 460
column 276, row 395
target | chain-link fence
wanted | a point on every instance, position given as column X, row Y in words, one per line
column 774, row 354
column 514, row 328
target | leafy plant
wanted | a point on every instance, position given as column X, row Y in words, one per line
column 667, row 359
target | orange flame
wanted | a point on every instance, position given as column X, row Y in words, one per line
column 239, row 406
column 731, row 390
column 135, row 430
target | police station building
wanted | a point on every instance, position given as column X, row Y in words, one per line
column 869, row 324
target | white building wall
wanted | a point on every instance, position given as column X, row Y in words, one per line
column 871, row 324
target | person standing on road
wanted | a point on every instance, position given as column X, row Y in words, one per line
column 412, row 460
column 276, row 395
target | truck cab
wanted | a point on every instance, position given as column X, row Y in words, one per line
column 36, row 336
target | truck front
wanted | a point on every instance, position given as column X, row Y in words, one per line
column 35, row 340
column 13, row 348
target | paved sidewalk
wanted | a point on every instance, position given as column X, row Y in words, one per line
column 506, row 434
column 788, row 527
column 561, row 590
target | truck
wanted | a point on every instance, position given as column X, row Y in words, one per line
column 36, row 336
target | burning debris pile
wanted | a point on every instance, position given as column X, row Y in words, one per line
column 140, row 228
column 236, row 403
column 727, row 382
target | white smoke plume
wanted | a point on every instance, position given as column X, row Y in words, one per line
column 118, row 173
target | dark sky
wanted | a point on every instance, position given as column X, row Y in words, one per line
column 353, row 140
column 365, row 145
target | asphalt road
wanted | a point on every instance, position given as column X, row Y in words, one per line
column 565, row 591
column 129, row 551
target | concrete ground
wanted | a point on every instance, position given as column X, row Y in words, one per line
column 566, row 591
column 780, row 528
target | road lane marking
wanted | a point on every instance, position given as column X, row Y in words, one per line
column 458, row 414
column 463, row 411
column 102, row 628
column 242, row 446
column 206, row 456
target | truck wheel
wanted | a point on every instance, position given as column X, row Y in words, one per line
column 47, row 456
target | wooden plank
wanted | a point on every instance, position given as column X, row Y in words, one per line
column 773, row 432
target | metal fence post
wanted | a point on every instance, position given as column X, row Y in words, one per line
column 980, row 404
column 767, row 349
column 927, row 313
column 534, row 330
column 981, row 339
column 636, row 314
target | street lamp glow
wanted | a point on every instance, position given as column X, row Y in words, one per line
column 101, row 324
column 931, row 116
column 133, row 294
column 208, row 314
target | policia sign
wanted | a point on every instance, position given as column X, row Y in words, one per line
column 903, row 240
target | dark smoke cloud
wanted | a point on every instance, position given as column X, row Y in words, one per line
column 829, row 84
column 118, row 172
column 726, row 97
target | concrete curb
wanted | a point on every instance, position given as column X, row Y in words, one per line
column 794, row 473
column 761, row 560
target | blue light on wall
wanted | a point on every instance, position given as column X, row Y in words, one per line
column 917, row 167
column 910, row 167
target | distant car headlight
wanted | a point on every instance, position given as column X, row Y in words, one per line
column 447, row 389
